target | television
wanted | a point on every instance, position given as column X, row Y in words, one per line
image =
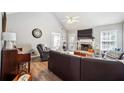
column 85, row 34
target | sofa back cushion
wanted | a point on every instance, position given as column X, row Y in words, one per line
column 96, row 69
column 65, row 66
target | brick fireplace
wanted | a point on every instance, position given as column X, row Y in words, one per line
column 84, row 44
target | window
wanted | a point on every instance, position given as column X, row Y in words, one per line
column 71, row 42
column 108, row 40
column 56, row 40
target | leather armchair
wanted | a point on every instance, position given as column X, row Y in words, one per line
column 44, row 54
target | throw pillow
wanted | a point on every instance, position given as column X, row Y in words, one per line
column 113, row 55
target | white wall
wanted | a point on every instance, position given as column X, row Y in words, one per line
column 24, row 23
column 97, row 31
column 72, row 34
column 0, row 40
column 0, row 30
column 123, row 35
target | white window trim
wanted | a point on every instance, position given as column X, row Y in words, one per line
column 71, row 42
column 101, row 38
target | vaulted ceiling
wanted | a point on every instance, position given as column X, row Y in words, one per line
column 89, row 19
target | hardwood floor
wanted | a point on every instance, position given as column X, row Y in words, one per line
column 40, row 72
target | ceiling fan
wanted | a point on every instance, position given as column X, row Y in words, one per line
column 71, row 19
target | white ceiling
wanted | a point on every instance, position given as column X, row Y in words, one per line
column 8, row 13
column 90, row 19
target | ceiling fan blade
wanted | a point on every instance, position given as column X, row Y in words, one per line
column 69, row 22
column 70, row 19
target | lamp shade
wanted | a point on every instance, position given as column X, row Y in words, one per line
column 8, row 36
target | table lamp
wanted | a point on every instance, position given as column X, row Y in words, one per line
column 9, row 39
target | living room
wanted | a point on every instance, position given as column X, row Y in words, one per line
column 91, row 35
column 74, row 62
column 23, row 23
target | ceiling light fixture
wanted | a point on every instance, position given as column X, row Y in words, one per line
column 71, row 19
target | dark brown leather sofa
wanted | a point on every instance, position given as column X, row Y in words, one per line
column 101, row 70
column 65, row 66
column 72, row 68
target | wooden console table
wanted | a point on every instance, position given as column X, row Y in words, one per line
column 11, row 61
column 22, row 59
